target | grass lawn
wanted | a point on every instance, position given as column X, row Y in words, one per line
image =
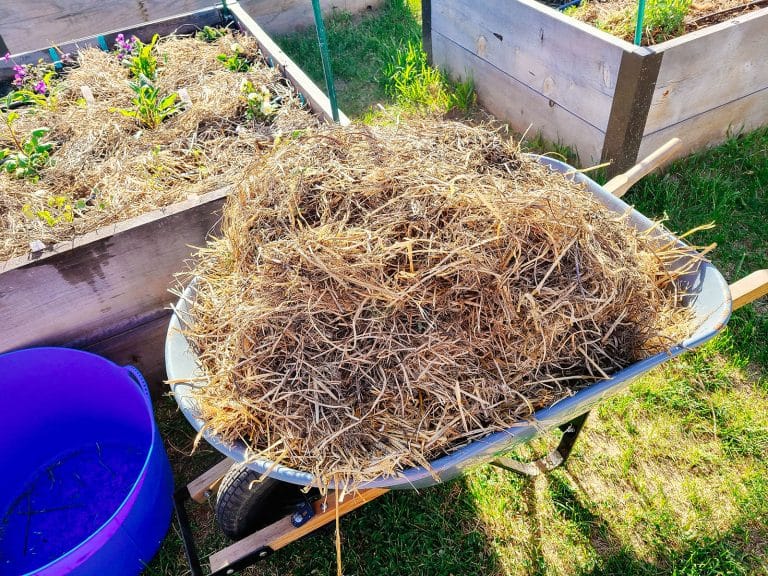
column 669, row 478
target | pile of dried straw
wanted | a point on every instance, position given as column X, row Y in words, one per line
column 380, row 296
column 124, row 170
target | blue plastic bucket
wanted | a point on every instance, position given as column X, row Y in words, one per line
column 86, row 483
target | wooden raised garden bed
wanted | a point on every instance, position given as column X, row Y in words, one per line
column 107, row 291
column 609, row 100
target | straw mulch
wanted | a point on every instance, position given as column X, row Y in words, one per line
column 379, row 297
column 124, row 170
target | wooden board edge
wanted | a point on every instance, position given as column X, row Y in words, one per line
column 709, row 30
column 202, row 486
column 583, row 26
column 112, row 229
column 316, row 98
column 197, row 18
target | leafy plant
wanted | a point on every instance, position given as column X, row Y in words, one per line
column 411, row 81
column 664, row 18
column 142, row 60
column 209, row 34
column 30, row 155
column 35, row 85
column 150, row 108
column 260, row 105
column 237, row 62
column 464, row 96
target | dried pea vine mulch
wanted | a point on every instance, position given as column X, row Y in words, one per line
column 105, row 167
column 380, row 296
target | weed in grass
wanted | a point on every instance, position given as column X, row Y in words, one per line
column 360, row 46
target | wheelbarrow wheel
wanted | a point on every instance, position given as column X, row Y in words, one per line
column 244, row 504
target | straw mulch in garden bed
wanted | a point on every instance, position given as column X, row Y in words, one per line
column 105, row 167
column 380, row 296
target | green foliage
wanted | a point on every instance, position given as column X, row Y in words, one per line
column 150, row 108
column 412, row 82
column 30, row 154
column 260, row 106
column 663, row 19
column 210, row 34
column 237, row 61
column 143, row 62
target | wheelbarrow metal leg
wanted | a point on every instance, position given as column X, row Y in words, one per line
column 557, row 457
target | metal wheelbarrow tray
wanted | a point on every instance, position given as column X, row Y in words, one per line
column 710, row 301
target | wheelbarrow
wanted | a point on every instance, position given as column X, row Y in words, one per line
column 263, row 516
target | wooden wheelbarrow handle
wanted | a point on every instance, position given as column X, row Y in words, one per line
column 749, row 288
column 618, row 185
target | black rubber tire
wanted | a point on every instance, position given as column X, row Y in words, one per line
column 243, row 505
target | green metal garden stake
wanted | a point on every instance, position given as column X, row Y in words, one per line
column 322, row 39
column 639, row 25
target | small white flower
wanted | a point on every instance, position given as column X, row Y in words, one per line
column 236, row 48
column 267, row 108
column 253, row 96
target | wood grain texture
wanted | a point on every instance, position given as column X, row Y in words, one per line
column 183, row 23
column 518, row 104
column 104, row 283
column 209, row 480
column 286, row 16
column 713, row 126
column 316, row 98
column 709, row 68
column 629, row 111
column 749, row 288
column 282, row 532
column 34, row 25
column 559, row 58
column 140, row 345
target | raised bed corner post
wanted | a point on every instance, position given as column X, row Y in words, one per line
column 635, row 85
column 325, row 55
column 426, row 28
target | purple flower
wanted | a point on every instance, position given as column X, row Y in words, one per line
column 41, row 87
column 21, row 73
column 7, row 56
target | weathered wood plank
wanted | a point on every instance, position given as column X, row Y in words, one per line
column 27, row 26
column 288, row 16
column 524, row 108
column 182, row 23
column 709, row 68
column 141, row 346
column 34, row 25
column 316, row 98
column 572, row 64
column 103, row 283
column 713, row 126
column 282, row 532
column 631, row 102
